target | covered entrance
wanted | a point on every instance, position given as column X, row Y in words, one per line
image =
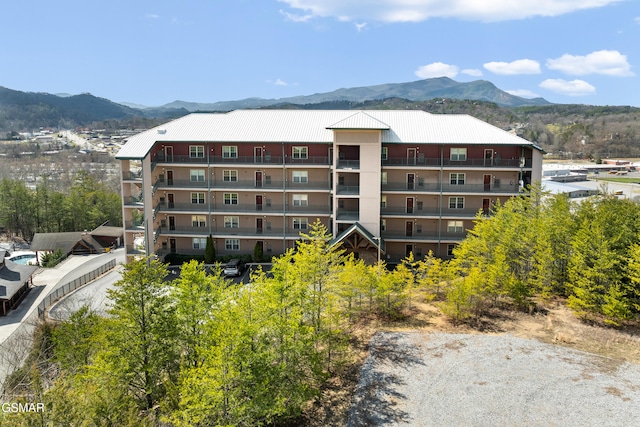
column 364, row 245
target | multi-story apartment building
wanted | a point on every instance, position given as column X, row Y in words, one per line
column 384, row 182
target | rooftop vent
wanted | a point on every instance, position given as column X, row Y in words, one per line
column 162, row 131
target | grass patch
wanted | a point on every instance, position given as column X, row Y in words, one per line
column 622, row 180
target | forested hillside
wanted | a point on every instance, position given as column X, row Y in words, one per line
column 26, row 111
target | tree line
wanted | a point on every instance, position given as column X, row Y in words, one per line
column 545, row 246
column 200, row 351
column 88, row 204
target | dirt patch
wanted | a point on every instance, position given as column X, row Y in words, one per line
column 552, row 323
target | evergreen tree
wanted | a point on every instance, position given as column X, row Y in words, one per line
column 142, row 353
column 209, row 251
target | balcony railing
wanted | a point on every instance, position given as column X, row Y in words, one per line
column 275, row 208
column 132, row 175
column 133, row 201
column 134, row 225
column 452, row 188
column 345, row 215
column 267, row 184
column 348, row 164
column 431, row 235
column 348, row 189
column 265, row 159
column 479, row 162
column 244, row 232
column 134, row 250
column 431, row 211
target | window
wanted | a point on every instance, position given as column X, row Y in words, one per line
column 197, row 198
column 232, row 244
column 456, row 178
column 450, row 249
column 383, row 225
column 199, row 243
column 300, row 200
column 230, row 176
column 300, row 223
column 197, row 175
column 383, row 201
column 455, row 227
column 383, row 178
column 198, row 221
column 458, row 154
column 299, row 152
column 231, row 221
column 385, row 153
column 229, row 152
column 230, row 198
column 301, row 176
column 456, row 202
column 196, row 151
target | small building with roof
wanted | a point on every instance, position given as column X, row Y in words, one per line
column 15, row 282
column 97, row 241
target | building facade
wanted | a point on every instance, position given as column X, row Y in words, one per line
column 411, row 181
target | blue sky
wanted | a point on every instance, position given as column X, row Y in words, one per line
column 153, row 52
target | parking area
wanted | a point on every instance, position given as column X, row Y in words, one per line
column 243, row 278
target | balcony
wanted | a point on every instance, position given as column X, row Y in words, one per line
column 345, row 215
column 134, row 226
column 265, row 184
column 348, row 190
column 474, row 163
column 181, row 207
column 132, row 176
column 159, row 158
column 134, row 250
column 221, row 232
column 431, row 211
column 131, row 201
column 180, row 183
column 434, row 187
column 275, row 208
column 348, row 164
column 430, row 236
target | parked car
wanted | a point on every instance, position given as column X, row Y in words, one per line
column 234, row 267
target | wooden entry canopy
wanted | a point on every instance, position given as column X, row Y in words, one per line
column 357, row 239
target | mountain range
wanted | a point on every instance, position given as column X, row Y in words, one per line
column 28, row 110
column 420, row 90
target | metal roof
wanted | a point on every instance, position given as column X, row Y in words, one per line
column 12, row 277
column 305, row 126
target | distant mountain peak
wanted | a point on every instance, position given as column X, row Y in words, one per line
column 419, row 90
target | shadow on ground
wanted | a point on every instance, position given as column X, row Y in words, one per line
column 377, row 400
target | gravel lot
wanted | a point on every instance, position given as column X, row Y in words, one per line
column 439, row 379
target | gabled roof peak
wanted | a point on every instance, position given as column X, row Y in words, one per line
column 360, row 120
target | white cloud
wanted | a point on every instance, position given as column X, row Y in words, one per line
column 437, row 69
column 153, row 16
column 520, row 66
column 360, row 26
column 472, row 72
column 296, row 17
column 421, row 10
column 607, row 62
column 571, row 88
column 523, row 93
